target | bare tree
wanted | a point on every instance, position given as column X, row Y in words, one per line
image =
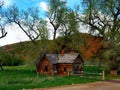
column 2, row 30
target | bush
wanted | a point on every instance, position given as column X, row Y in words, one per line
column 119, row 70
column 9, row 60
column 113, row 58
column 12, row 62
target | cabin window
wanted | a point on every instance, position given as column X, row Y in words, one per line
column 78, row 67
column 46, row 68
column 54, row 67
column 65, row 69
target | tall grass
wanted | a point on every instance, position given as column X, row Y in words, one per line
column 25, row 77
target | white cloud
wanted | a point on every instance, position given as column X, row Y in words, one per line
column 7, row 3
column 50, row 28
column 15, row 34
column 44, row 6
column 62, row 0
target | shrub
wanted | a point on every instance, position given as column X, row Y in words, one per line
column 9, row 60
column 113, row 58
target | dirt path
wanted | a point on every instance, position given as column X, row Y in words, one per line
column 106, row 85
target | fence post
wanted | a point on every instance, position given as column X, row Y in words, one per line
column 37, row 74
column 103, row 75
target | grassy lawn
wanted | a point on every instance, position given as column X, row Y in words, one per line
column 25, row 77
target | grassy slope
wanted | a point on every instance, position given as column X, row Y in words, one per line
column 30, row 52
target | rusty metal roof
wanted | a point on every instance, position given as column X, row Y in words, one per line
column 67, row 58
column 62, row 58
column 53, row 58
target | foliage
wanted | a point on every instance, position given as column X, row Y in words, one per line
column 70, row 31
column 9, row 60
column 113, row 59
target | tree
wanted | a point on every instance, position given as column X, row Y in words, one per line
column 103, row 19
column 70, row 30
column 64, row 24
column 29, row 22
column 2, row 29
column 56, row 13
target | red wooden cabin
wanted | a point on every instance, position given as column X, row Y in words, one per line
column 60, row 64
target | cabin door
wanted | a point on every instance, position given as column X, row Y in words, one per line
column 77, row 67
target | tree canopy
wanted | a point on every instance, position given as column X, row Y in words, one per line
column 103, row 19
column 29, row 22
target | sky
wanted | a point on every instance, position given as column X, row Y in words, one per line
column 15, row 34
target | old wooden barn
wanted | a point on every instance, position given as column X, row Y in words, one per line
column 60, row 64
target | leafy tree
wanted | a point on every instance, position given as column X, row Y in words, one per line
column 64, row 23
column 29, row 22
column 70, row 30
column 56, row 13
column 103, row 19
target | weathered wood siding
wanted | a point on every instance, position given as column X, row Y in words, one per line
column 62, row 65
column 77, row 66
column 64, row 69
column 45, row 67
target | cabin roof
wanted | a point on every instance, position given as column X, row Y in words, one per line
column 67, row 58
column 53, row 58
column 62, row 58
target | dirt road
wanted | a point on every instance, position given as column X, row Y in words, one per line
column 106, row 85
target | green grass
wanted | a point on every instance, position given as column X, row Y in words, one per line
column 92, row 69
column 95, row 70
column 109, row 77
column 25, row 77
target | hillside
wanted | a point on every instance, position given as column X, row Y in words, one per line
column 90, row 46
column 30, row 52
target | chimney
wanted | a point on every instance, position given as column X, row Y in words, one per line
column 63, row 49
column 63, row 52
column 72, row 51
